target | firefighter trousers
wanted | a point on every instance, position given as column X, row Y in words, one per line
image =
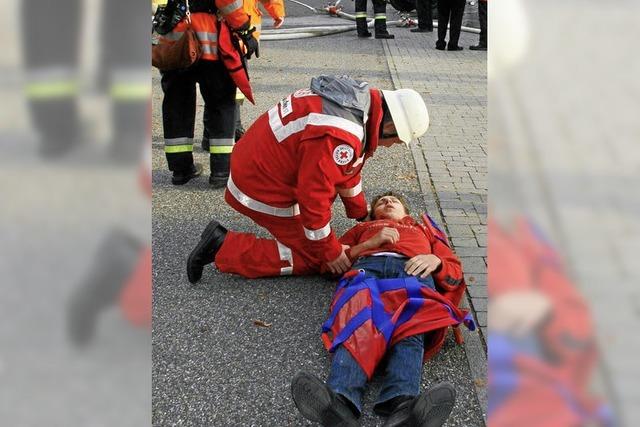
column 289, row 252
column 450, row 12
column 179, row 112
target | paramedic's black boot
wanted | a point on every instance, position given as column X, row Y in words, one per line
column 205, row 251
column 361, row 27
column 429, row 409
column 220, row 164
column 317, row 402
column 380, row 27
column 182, row 177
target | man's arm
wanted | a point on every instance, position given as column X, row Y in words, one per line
column 317, row 177
column 386, row 235
column 353, row 198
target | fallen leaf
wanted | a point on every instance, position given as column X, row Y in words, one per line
column 481, row 382
column 262, row 324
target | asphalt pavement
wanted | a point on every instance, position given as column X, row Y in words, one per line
column 212, row 364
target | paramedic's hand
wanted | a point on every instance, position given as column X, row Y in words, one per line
column 277, row 23
column 386, row 235
column 422, row 265
column 341, row 264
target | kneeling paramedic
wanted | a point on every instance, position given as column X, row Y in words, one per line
column 393, row 304
column 217, row 85
column 292, row 163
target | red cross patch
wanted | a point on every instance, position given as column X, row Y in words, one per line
column 343, row 154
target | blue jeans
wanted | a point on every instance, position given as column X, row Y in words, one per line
column 403, row 372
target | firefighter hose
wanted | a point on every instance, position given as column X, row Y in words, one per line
column 307, row 32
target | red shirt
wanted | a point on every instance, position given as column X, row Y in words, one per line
column 415, row 239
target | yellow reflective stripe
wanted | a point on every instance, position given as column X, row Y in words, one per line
column 381, row 16
column 130, row 90
column 51, row 90
column 361, row 14
column 220, row 149
column 187, row 148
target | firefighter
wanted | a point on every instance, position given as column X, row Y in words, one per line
column 216, row 86
column 380, row 19
column 275, row 8
column 292, row 163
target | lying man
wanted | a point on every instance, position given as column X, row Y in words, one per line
column 292, row 163
column 396, row 303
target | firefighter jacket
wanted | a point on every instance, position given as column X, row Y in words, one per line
column 298, row 156
column 415, row 239
column 205, row 24
column 275, row 9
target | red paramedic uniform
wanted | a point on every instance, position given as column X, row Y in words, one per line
column 288, row 169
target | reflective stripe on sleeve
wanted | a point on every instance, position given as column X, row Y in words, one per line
column 206, row 36
column 209, row 50
column 231, row 7
column 282, row 132
column 258, row 206
column 318, row 234
column 285, row 255
column 351, row 192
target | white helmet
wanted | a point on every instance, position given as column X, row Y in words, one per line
column 409, row 113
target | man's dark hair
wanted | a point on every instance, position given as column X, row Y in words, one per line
column 398, row 196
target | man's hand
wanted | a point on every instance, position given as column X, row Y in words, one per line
column 422, row 265
column 386, row 235
column 277, row 23
column 250, row 43
column 341, row 264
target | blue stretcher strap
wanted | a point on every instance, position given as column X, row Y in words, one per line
column 469, row 322
column 350, row 328
column 381, row 319
column 344, row 298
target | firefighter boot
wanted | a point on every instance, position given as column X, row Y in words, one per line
column 381, row 29
column 361, row 26
column 219, row 170
column 429, row 409
column 182, row 177
column 317, row 402
column 205, row 251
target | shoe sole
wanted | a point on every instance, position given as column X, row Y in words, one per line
column 434, row 406
column 313, row 400
column 206, row 234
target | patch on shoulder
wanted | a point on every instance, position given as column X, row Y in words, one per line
column 343, row 154
column 286, row 107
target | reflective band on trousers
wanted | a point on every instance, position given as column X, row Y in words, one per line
column 231, row 7
column 178, row 145
column 361, row 14
column 285, row 255
column 282, row 132
column 258, row 206
column 380, row 16
column 221, row 145
column 51, row 90
column 130, row 91
column 351, row 192
column 318, row 234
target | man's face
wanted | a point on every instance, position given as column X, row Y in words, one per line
column 389, row 135
column 389, row 207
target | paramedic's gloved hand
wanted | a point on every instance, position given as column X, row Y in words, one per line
column 250, row 42
column 341, row 264
column 422, row 265
column 277, row 23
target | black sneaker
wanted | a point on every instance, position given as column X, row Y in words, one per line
column 317, row 402
column 205, row 251
column 454, row 47
column 478, row 47
column 181, row 178
column 422, row 30
column 429, row 409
